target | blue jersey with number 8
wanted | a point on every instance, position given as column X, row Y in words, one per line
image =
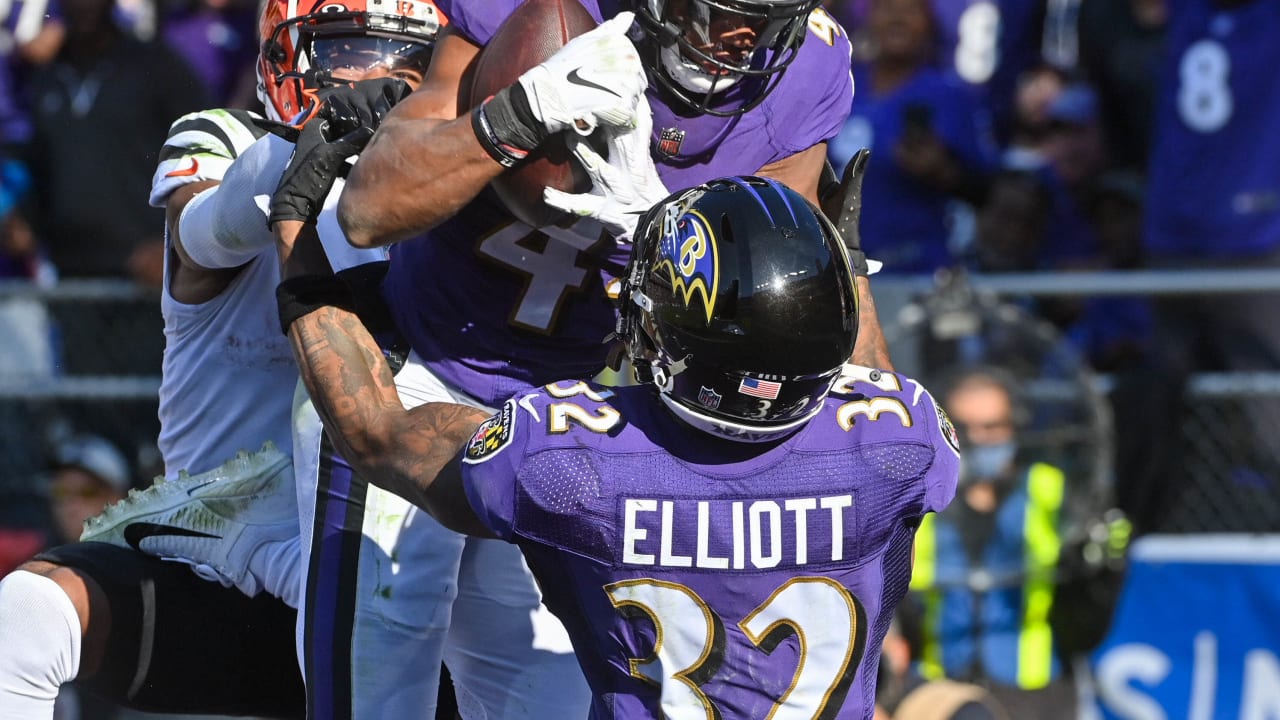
column 1214, row 187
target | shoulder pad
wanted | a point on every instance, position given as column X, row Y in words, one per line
column 200, row 146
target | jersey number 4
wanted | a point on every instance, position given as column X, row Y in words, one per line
column 826, row 619
column 548, row 259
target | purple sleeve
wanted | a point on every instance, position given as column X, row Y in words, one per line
column 478, row 20
column 818, row 87
column 940, row 482
column 490, row 465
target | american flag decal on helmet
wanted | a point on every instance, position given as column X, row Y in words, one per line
column 759, row 388
column 670, row 141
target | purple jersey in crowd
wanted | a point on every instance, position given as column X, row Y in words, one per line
column 495, row 307
column 987, row 44
column 1214, row 188
column 700, row 577
column 906, row 223
column 21, row 21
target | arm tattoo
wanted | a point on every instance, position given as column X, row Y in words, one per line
column 355, row 395
column 354, row 392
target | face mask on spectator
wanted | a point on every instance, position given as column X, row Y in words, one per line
column 984, row 463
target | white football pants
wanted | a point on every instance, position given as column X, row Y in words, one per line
column 389, row 593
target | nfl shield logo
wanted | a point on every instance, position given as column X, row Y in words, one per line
column 670, row 141
column 709, row 398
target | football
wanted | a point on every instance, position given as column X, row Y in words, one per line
column 530, row 35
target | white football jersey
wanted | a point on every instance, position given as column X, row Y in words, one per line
column 228, row 371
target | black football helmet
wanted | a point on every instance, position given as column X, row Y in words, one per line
column 739, row 305
column 689, row 54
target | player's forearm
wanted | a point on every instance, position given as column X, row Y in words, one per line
column 355, row 395
column 339, row 362
column 412, row 176
column 354, row 392
column 871, row 350
column 224, row 227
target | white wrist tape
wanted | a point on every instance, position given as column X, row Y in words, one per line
column 342, row 254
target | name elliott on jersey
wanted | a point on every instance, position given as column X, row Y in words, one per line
column 736, row 534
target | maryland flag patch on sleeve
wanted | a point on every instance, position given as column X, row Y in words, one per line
column 492, row 436
column 947, row 428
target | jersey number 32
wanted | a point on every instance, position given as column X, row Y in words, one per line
column 826, row 619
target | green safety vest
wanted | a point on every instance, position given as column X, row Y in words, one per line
column 1040, row 556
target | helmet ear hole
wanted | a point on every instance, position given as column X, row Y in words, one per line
column 273, row 52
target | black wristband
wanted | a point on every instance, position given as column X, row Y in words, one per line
column 858, row 261
column 365, row 283
column 506, row 126
column 305, row 294
column 505, row 155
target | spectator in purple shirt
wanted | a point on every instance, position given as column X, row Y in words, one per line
column 930, row 140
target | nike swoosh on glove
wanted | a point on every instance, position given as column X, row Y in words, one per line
column 595, row 79
column 624, row 186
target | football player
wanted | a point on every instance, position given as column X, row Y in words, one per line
column 729, row 537
column 150, row 634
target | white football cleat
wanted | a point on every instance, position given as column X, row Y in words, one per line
column 213, row 521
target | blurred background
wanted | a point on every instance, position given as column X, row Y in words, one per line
column 1078, row 207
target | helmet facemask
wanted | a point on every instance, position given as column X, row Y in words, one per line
column 721, row 57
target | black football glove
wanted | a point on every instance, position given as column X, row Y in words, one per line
column 842, row 203
column 316, row 163
column 362, row 104
column 341, row 126
column 346, row 107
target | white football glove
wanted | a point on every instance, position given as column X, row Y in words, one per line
column 595, row 79
column 624, row 187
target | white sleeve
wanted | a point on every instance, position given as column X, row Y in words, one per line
column 226, row 226
column 342, row 254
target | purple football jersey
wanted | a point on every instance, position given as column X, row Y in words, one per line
column 21, row 21
column 495, row 307
column 700, row 577
column 988, row 44
column 1214, row 190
